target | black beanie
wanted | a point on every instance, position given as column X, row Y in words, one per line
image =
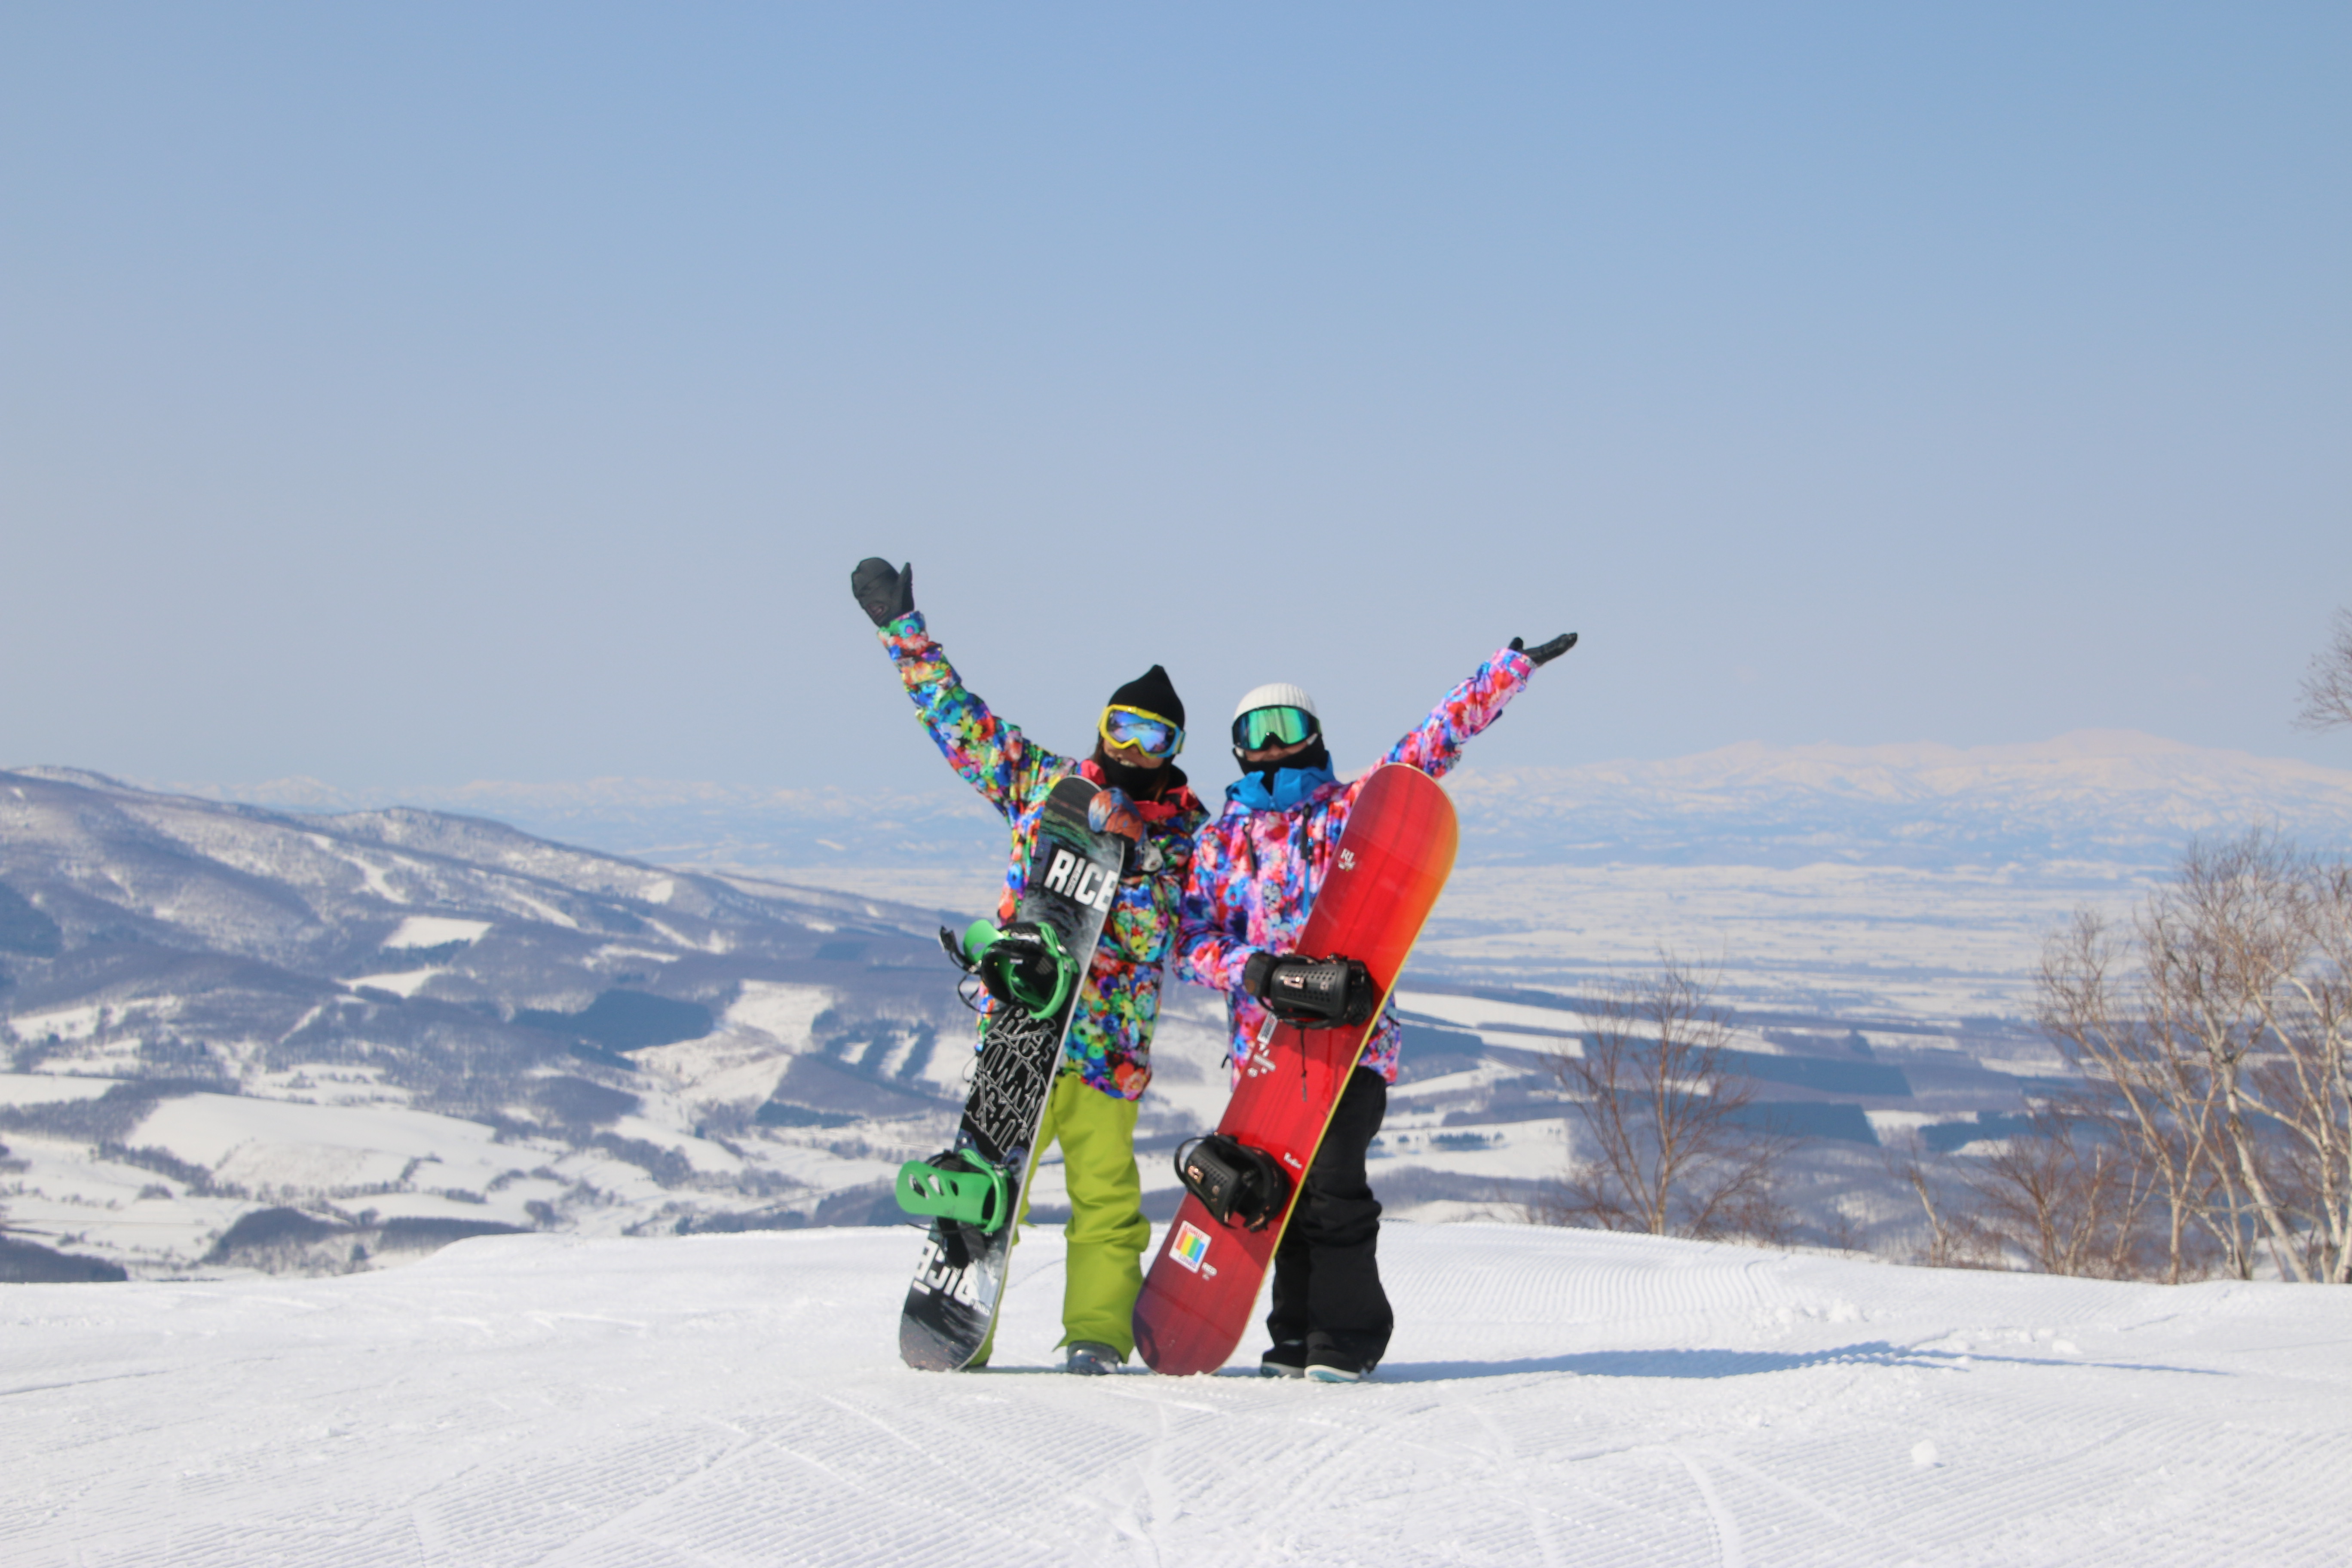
column 1154, row 693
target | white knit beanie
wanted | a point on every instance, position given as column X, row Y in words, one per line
column 1280, row 694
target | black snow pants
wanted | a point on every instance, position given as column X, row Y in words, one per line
column 1327, row 1273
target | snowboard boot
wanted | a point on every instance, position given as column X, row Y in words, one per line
column 1090, row 1359
column 1336, row 1366
column 1288, row 1359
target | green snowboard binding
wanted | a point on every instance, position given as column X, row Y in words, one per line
column 1024, row 965
column 978, row 1197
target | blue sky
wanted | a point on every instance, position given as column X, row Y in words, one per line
column 431, row 393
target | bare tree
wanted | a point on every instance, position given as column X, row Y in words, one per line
column 2327, row 689
column 2300, row 1085
column 1654, row 1089
column 2161, row 1100
column 2229, row 954
column 1955, row 1238
column 2068, row 1194
column 2217, row 1039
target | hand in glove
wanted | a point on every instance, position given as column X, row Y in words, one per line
column 1312, row 992
column 882, row 594
column 1542, row 653
column 1112, row 812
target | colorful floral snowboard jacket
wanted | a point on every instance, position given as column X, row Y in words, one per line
column 1110, row 1035
column 1254, row 872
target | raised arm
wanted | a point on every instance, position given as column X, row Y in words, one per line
column 993, row 757
column 1435, row 745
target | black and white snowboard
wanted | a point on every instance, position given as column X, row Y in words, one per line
column 1074, row 874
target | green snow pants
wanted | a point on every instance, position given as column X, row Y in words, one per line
column 1107, row 1233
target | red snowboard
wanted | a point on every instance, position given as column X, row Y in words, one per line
column 1391, row 865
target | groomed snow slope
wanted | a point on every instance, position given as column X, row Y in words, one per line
column 1552, row 1397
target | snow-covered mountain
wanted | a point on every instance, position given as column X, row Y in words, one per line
column 1552, row 1397
column 2109, row 796
column 2100, row 795
column 400, row 1024
column 675, row 822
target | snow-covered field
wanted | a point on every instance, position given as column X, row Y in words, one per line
column 1888, row 904
column 1859, row 942
column 1552, row 1397
column 1862, row 942
column 2094, row 795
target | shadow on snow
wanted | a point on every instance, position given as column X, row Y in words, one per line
column 1739, row 1364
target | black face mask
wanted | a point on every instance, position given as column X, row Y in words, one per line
column 1143, row 784
column 1315, row 756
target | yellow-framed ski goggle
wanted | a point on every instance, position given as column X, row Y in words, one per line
column 1154, row 736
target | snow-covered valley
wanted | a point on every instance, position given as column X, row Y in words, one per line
column 246, row 1038
column 2094, row 797
column 1552, row 1397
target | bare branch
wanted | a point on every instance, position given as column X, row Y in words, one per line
column 2069, row 1195
column 1663, row 1113
column 2327, row 687
column 1955, row 1238
column 2157, row 1101
column 2215, row 1043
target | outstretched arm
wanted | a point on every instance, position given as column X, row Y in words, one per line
column 1435, row 745
column 993, row 757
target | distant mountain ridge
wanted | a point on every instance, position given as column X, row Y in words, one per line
column 2108, row 796
column 2111, row 795
column 675, row 822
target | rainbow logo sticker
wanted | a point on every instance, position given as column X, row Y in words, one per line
column 1191, row 1245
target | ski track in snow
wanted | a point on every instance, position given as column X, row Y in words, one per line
column 1552, row 1397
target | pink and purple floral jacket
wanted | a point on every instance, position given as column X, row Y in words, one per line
column 1255, row 872
column 1110, row 1034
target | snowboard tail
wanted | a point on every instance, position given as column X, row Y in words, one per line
column 1391, row 864
column 959, row 1282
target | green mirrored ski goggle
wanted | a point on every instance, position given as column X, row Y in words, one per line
column 1134, row 727
column 1263, row 727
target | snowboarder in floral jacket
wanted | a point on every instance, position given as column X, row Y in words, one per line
column 1254, row 874
column 1106, row 1063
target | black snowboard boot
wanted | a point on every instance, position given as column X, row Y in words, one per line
column 1327, row 1363
column 1288, row 1359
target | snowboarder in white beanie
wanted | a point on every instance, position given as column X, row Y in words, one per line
column 1256, row 870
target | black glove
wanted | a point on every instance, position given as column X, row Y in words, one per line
column 1542, row 653
column 1312, row 992
column 882, row 594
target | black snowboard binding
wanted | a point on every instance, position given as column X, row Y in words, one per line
column 1312, row 992
column 1234, row 1181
